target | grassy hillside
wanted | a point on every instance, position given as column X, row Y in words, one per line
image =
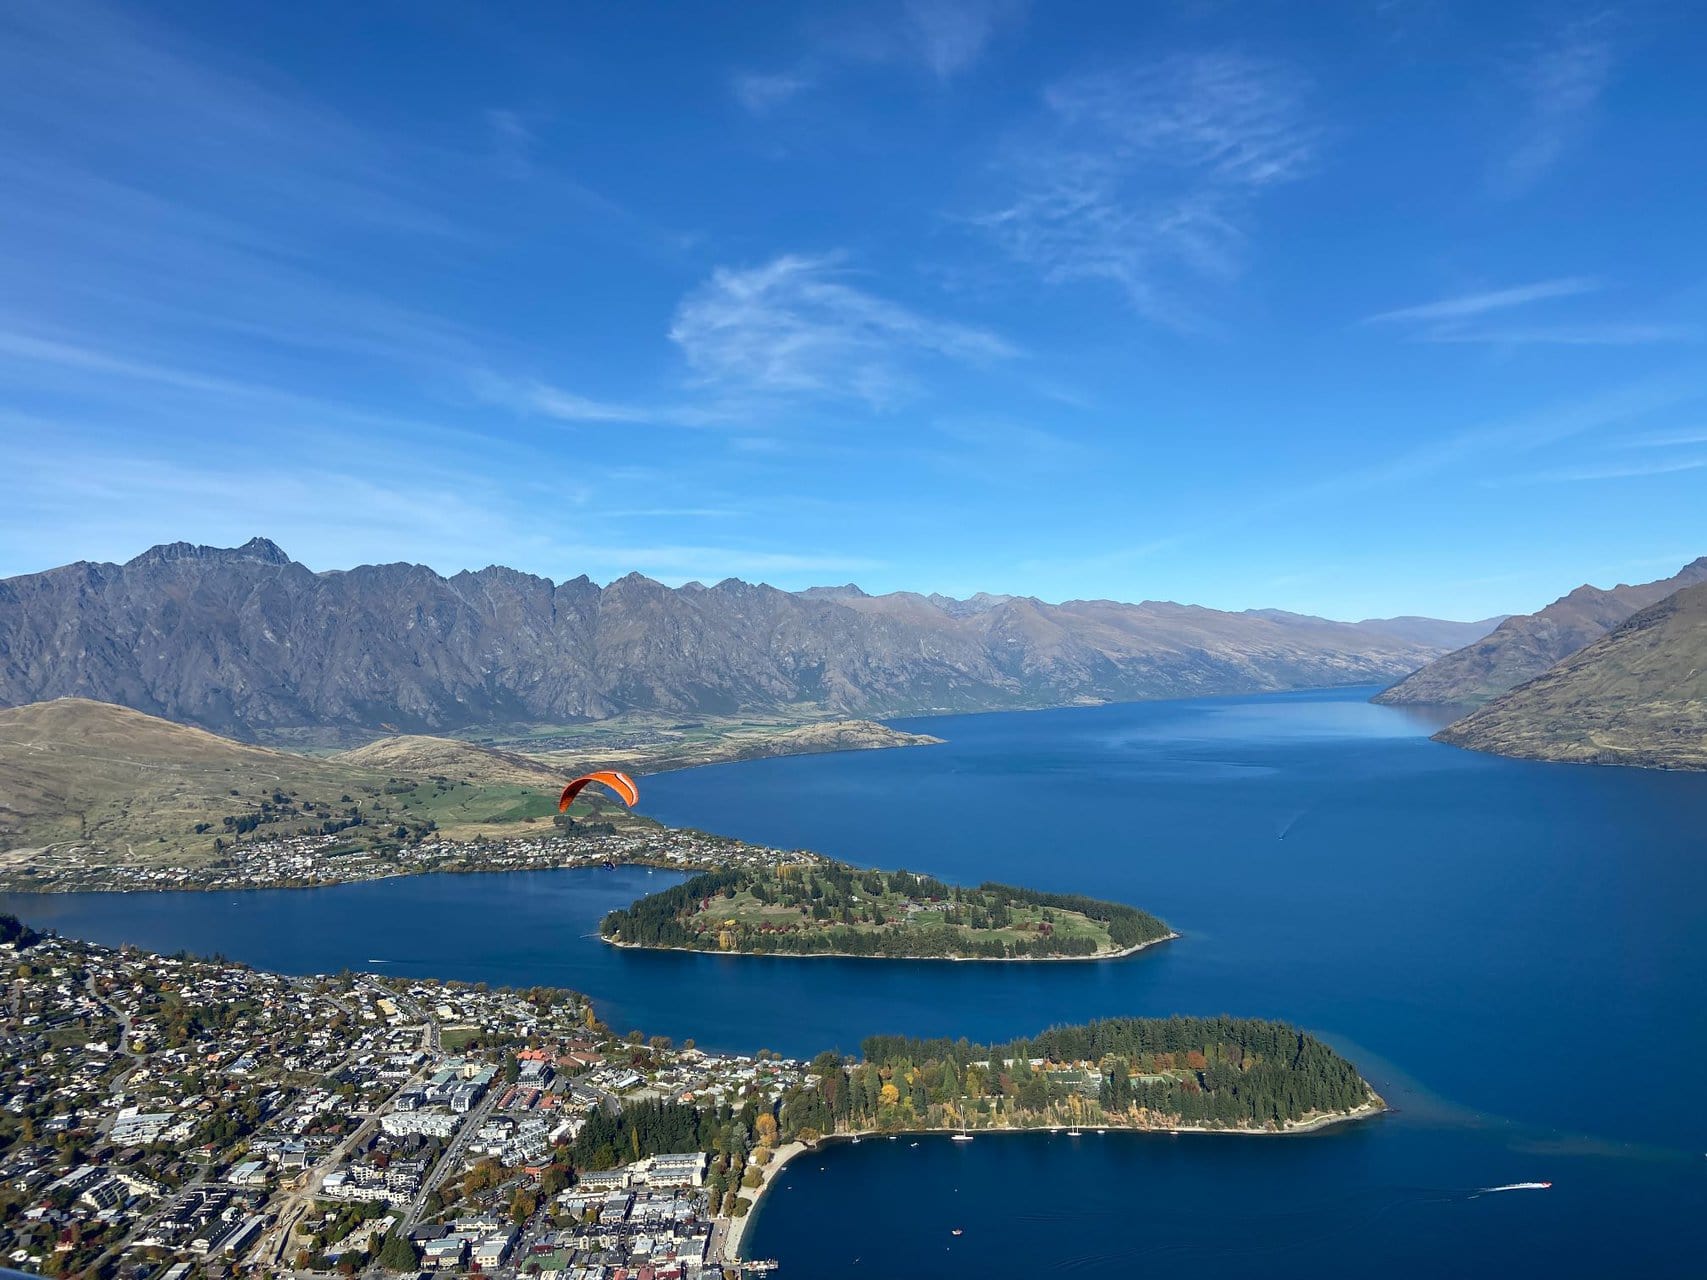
column 144, row 789
column 1638, row 696
column 424, row 757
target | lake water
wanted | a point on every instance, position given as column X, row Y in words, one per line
column 1514, row 953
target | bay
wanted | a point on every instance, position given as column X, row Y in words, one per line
column 1513, row 952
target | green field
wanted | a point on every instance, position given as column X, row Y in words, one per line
column 451, row 804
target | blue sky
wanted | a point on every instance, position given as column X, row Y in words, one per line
column 1354, row 309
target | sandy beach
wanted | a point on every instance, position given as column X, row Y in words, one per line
column 738, row 1226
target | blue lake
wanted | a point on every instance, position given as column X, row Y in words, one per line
column 1514, row 953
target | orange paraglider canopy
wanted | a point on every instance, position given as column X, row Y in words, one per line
column 620, row 783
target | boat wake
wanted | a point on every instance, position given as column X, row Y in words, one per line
column 1515, row 1186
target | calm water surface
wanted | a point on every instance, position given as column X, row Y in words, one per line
column 1513, row 952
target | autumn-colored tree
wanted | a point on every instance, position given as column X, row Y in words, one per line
column 523, row 1206
column 553, row 1180
column 889, row 1095
column 482, row 1177
column 765, row 1128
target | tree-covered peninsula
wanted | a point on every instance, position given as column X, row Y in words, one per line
column 1234, row 1075
column 1137, row 1073
column 828, row 908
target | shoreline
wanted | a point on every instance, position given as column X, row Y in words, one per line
column 652, row 770
column 738, row 1226
column 270, row 885
column 1376, row 1106
column 1122, row 954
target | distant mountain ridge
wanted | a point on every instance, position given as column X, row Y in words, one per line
column 1523, row 647
column 1429, row 631
column 246, row 640
column 1636, row 696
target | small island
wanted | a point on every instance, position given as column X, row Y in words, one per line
column 822, row 908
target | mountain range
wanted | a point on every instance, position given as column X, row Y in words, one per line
column 244, row 641
column 1637, row 695
column 1523, row 647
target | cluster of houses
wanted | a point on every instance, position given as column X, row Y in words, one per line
column 648, row 1217
column 197, row 1099
column 207, row 1221
column 397, row 1182
column 149, row 1068
column 334, row 859
column 479, row 1242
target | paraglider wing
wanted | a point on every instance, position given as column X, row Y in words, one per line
column 620, row 783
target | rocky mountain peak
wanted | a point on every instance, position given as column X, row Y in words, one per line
column 400, row 645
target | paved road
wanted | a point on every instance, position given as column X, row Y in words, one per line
column 452, row 1155
column 276, row 1243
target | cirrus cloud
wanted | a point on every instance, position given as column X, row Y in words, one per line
column 796, row 324
column 1144, row 177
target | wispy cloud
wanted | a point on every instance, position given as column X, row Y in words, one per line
column 797, row 325
column 1145, row 177
column 762, row 92
column 1512, row 437
column 1613, row 471
column 672, row 513
column 1665, row 439
column 755, row 339
column 532, row 396
column 1454, row 450
column 1560, row 84
column 1481, row 318
column 1570, row 335
column 512, row 142
column 99, row 78
column 1102, row 563
column 672, row 563
column 945, row 38
column 1478, row 304
column 82, row 495
column 997, row 450
column 164, row 192
column 949, row 36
